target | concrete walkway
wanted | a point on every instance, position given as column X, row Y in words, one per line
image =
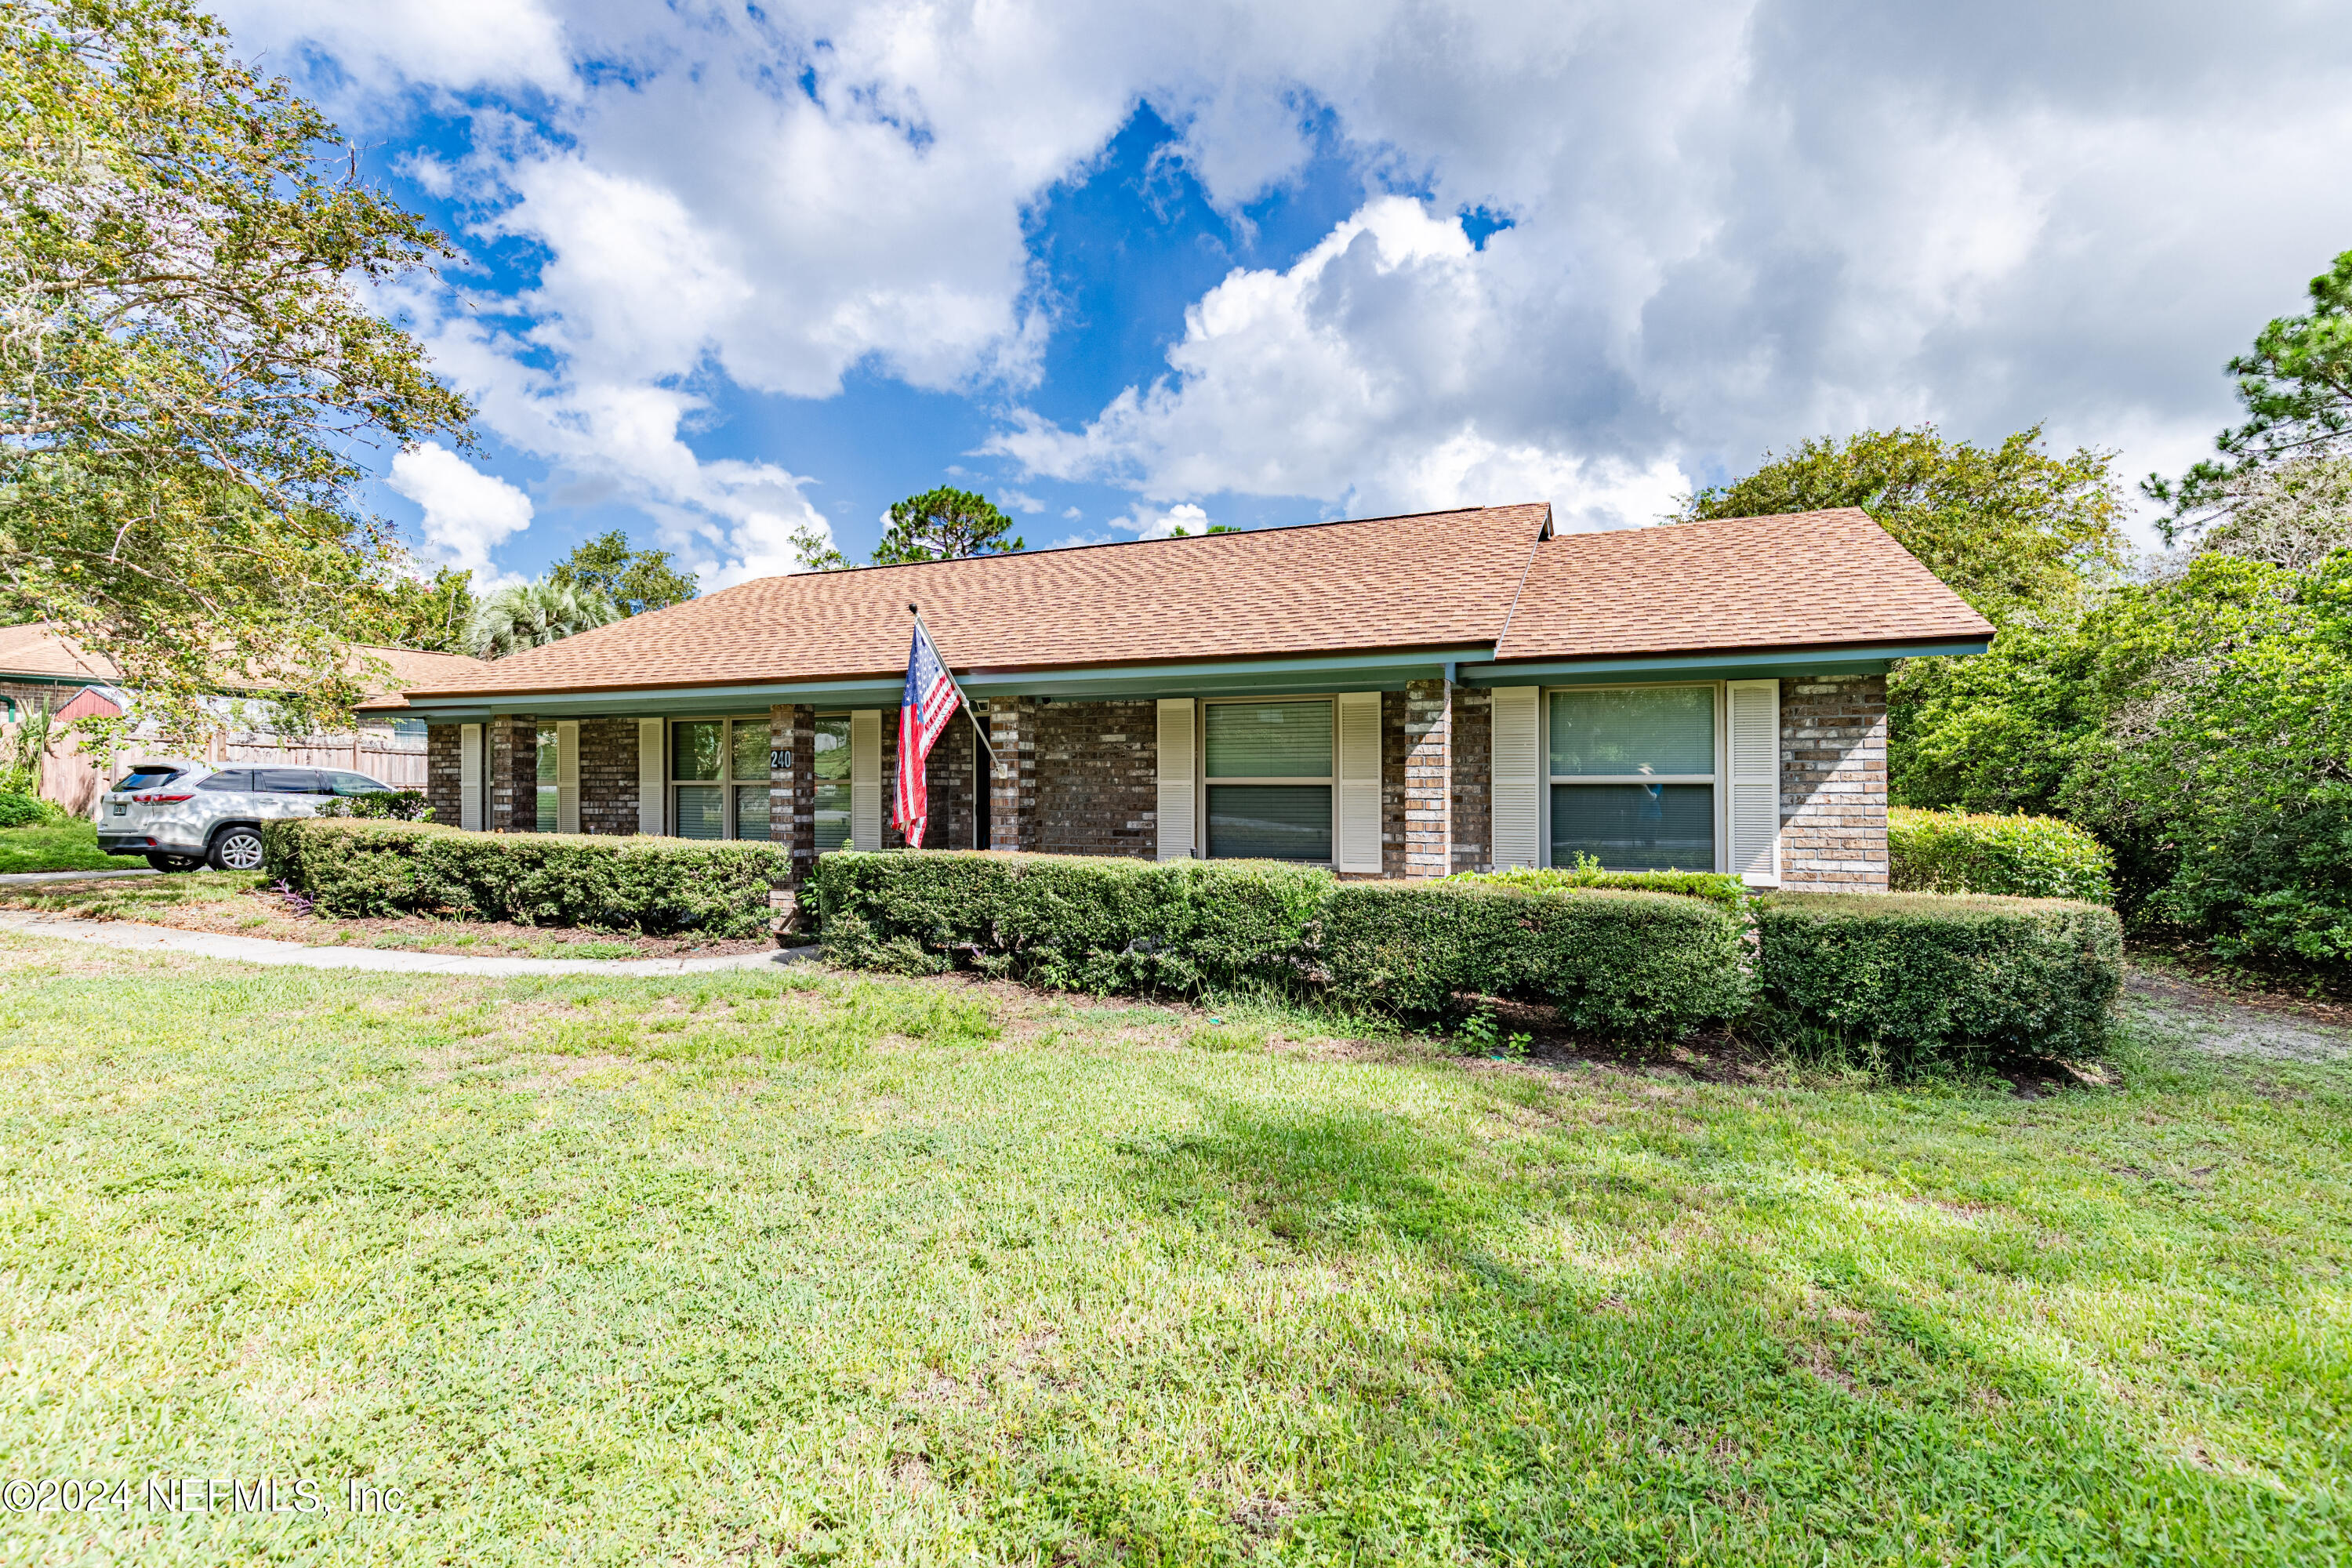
column 15, row 877
column 256, row 950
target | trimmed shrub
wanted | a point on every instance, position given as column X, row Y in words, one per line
column 1616, row 963
column 1078, row 922
column 385, row 806
column 19, row 810
column 1897, row 980
column 1716, row 887
column 2019, row 856
column 357, row 866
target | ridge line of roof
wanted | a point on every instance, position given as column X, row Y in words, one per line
column 1533, row 545
column 1123, row 544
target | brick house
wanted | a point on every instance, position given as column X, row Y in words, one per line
column 1398, row 696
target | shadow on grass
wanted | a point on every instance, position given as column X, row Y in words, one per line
column 1675, row 1383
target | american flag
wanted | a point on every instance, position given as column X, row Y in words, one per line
column 928, row 706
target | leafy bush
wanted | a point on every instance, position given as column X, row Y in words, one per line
column 19, row 810
column 1086, row 923
column 1896, row 980
column 387, row 805
column 1616, row 963
column 1715, row 888
column 2023, row 856
column 352, row 867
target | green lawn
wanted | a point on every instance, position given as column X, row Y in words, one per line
column 67, row 847
column 800, row 1268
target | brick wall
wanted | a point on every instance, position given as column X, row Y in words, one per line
column 511, row 743
column 444, row 769
column 1474, row 817
column 1098, row 778
column 1428, row 778
column 1833, row 784
column 608, row 776
column 1013, row 787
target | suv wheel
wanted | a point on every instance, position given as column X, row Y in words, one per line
column 176, row 862
column 237, row 849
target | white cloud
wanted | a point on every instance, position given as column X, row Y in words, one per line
column 468, row 513
column 379, row 44
column 1737, row 223
column 1020, row 502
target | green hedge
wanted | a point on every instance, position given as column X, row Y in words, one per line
column 1621, row 963
column 2023, row 856
column 360, row 867
column 1080, row 922
column 1716, row 887
column 1900, row 979
column 20, row 810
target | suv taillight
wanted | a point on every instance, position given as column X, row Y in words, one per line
column 162, row 799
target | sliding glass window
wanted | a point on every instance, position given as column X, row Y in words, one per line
column 1269, row 779
column 1632, row 777
column 831, row 765
column 719, row 777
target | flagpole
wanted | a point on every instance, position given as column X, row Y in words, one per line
column 979, row 731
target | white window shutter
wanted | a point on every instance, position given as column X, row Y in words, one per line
column 469, row 777
column 1518, row 777
column 652, row 776
column 1756, row 780
column 567, row 775
column 1357, row 814
column 1173, row 816
column 866, row 778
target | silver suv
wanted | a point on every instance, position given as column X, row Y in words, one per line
column 183, row 815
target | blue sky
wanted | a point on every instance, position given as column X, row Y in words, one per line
column 731, row 272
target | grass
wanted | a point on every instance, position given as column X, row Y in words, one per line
column 796, row 1267
column 60, row 847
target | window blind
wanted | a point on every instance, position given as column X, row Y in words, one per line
column 1643, row 729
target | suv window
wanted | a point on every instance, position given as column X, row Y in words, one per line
column 149, row 778
column 356, row 783
column 234, row 779
column 289, row 781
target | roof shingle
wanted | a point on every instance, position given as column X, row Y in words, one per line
column 1436, row 580
column 1796, row 580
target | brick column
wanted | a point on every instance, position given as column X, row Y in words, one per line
column 1834, row 785
column 791, row 789
column 1012, row 783
column 511, row 743
column 445, row 766
column 1428, row 778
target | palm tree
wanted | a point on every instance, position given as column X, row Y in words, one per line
column 530, row 614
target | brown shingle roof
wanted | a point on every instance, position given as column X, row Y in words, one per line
column 33, row 648
column 1435, row 580
column 1796, row 580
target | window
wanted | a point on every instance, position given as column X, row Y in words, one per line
column 549, row 818
column 234, row 781
column 1632, row 777
column 357, row 784
column 148, row 775
column 289, row 781
column 831, row 766
column 718, row 778
column 750, row 773
column 1269, row 779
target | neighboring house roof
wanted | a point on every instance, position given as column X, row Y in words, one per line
column 1796, row 580
column 1435, row 579
column 32, row 651
column 1480, row 584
